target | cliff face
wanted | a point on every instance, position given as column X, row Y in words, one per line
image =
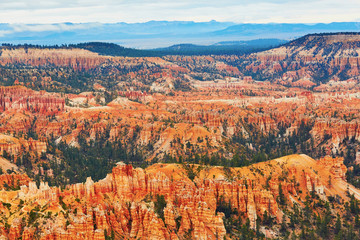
column 338, row 130
column 21, row 98
column 15, row 147
column 78, row 59
column 308, row 61
column 124, row 203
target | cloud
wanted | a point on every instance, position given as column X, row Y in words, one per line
column 55, row 11
column 3, row 33
column 59, row 27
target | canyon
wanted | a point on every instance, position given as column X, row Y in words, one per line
column 181, row 147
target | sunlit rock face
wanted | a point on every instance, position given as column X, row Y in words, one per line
column 123, row 203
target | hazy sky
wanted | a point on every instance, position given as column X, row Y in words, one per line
column 257, row 11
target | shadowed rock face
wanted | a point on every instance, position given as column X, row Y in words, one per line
column 123, row 202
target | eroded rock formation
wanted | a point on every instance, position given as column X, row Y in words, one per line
column 123, row 204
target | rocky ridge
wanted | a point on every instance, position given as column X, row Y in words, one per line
column 308, row 61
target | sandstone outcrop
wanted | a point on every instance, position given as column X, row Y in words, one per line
column 305, row 61
column 14, row 146
column 13, row 180
column 122, row 204
column 78, row 59
column 21, row 98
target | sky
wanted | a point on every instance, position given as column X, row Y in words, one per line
column 239, row 11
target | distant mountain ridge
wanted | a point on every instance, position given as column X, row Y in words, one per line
column 159, row 34
column 112, row 49
column 227, row 48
